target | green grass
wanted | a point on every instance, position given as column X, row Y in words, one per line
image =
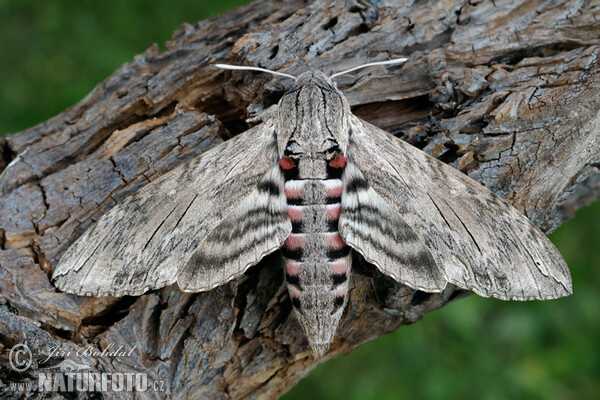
column 55, row 52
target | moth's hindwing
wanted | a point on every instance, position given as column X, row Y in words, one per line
column 141, row 243
column 480, row 242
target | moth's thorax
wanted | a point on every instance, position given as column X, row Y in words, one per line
column 313, row 115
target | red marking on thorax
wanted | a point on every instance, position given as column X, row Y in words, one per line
column 335, row 241
column 286, row 163
column 294, row 242
column 338, row 162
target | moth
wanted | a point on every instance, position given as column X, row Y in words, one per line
column 316, row 182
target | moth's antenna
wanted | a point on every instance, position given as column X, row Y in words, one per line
column 394, row 61
column 244, row 68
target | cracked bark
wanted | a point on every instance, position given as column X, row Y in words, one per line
column 508, row 93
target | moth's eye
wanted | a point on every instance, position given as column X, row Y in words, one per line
column 289, row 149
column 333, row 146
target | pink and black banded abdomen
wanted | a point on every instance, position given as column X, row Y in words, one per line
column 316, row 260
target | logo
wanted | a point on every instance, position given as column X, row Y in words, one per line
column 72, row 376
column 70, row 366
column 20, row 357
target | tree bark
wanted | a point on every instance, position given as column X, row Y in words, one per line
column 508, row 92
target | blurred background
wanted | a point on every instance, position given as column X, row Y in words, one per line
column 52, row 53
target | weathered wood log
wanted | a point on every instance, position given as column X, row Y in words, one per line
column 507, row 92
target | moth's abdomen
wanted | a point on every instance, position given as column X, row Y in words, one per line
column 316, row 259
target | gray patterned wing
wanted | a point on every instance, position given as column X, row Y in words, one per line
column 479, row 241
column 255, row 228
column 141, row 243
column 371, row 227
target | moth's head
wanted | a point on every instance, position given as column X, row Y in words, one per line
column 312, row 77
column 313, row 117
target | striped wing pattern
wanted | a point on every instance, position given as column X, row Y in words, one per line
column 479, row 242
column 372, row 228
column 256, row 227
column 143, row 242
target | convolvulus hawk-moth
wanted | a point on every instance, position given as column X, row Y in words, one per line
column 316, row 182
